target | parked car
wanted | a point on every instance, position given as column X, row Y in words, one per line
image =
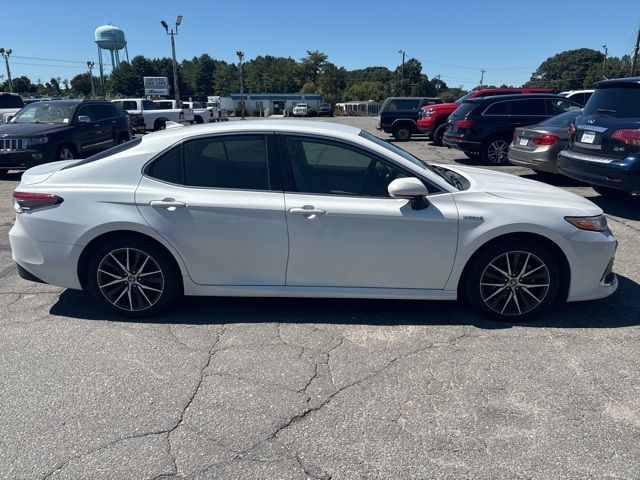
column 399, row 115
column 10, row 103
column 332, row 212
column 483, row 127
column 202, row 113
column 325, row 110
column 604, row 145
column 166, row 104
column 154, row 118
column 60, row 130
column 580, row 96
column 301, row 110
column 433, row 119
column 538, row 146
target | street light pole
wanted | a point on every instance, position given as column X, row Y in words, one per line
column 604, row 63
column 6, row 53
column 482, row 72
column 93, row 88
column 240, row 57
column 403, row 53
column 172, row 34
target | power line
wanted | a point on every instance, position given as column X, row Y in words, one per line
column 48, row 59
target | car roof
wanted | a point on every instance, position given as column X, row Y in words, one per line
column 514, row 96
column 614, row 82
column 172, row 135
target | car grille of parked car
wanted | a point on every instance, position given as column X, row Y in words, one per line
column 13, row 144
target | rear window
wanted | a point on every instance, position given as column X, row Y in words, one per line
column 619, row 102
column 11, row 101
column 562, row 120
column 464, row 109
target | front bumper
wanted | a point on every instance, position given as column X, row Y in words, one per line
column 23, row 159
column 613, row 173
column 425, row 126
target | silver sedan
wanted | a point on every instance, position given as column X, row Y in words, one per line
column 538, row 146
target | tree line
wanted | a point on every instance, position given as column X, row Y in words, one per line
column 203, row 75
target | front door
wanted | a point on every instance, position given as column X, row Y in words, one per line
column 92, row 136
column 278, row 107
column 211, row 199
column 345, row 230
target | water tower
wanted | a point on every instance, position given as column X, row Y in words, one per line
column 112, row 39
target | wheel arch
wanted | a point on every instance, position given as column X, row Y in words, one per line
column 554, row 248
column 89, row 248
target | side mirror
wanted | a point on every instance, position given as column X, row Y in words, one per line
column 82, row 119
column 8, row 118
column 410, row 188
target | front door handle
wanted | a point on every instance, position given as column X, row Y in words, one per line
column 168, row 203
column 309, row 212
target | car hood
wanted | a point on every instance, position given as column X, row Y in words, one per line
column 22, row 129
column 527, row 191
column 441, row 106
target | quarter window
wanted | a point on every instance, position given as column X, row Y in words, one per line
column 228, row 162
column 327, row 168
column 408, row 104
column 556, row 107
column 168, row 167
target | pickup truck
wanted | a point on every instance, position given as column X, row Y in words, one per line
column 202, row 113
column 153, row 117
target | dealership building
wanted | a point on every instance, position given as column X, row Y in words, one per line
column 276, row 103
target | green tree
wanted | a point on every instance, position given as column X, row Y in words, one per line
column 81, row 84
column 364, row 91
column 226, row 79
column 311, row 64
column 568, row 70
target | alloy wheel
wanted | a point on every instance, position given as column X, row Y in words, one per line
column 514, row 283
column 66, row 153
column 497, row 151
column 130, row 279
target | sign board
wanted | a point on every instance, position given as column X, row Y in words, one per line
column 156, row 85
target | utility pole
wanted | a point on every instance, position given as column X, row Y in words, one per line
column 93, row 88
column 6, row 53
column 240, row 57
column 437, row 77
column 172, row 34
column 635, row 55
column 403, row 53
column 482, row 72
column 604, row 63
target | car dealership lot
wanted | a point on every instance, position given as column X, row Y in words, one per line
column 277, row 388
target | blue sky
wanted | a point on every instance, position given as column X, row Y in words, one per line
column 454, row 38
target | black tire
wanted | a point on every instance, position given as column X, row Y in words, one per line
column 124, row 138
column 610, row 192
column 66, row 151
column 402, row 133
column 199, row 120
column 438, row 133
column 133, row 296
column 491, row 292
column 494, row 150
column 159, row 125
column 472, row 155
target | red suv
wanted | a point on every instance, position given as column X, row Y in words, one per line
column 432, row 119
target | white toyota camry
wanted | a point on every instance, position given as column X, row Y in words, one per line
column 303, row 209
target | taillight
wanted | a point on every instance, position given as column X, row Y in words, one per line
column 628, row 136
column 27, row 201
column 464, row 123
column 572, row 130
column 546, row 139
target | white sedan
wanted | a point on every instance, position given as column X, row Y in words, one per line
column 303, row 209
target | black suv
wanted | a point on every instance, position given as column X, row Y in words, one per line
column 398, row 115
column 483, row 127
column 604, row 142
column 60, row 130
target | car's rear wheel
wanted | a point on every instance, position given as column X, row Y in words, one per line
column 438, row 134
column 402, row 133
column 133, row 278
column 610, row 192
column 512, row 282
column 159, row 125
column 495, row 151
column 65, row 152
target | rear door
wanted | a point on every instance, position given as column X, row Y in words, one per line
column 218, row 202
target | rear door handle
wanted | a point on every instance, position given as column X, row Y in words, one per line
column 307, row 211
column 168, row 203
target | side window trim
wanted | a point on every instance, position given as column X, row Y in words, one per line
column 287, row 169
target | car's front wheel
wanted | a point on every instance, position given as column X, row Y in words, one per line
column 402, row 134
column 133, row 278
column 512, row 281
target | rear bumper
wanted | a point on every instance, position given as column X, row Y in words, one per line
column 460, row 143
column 618, row 174
column 547, row 162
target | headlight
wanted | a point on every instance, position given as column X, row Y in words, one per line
column 597, row 223
column 38, row 140
column 428, row 112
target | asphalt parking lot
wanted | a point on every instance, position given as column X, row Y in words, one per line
column 295, row 389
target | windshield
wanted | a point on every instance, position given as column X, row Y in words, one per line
column 562, row 120
column 619, row 102
column 44, row 113
column 407, row 156
column 464, row 97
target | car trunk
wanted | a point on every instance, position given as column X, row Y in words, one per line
column 523, row 138
column 593, row 136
